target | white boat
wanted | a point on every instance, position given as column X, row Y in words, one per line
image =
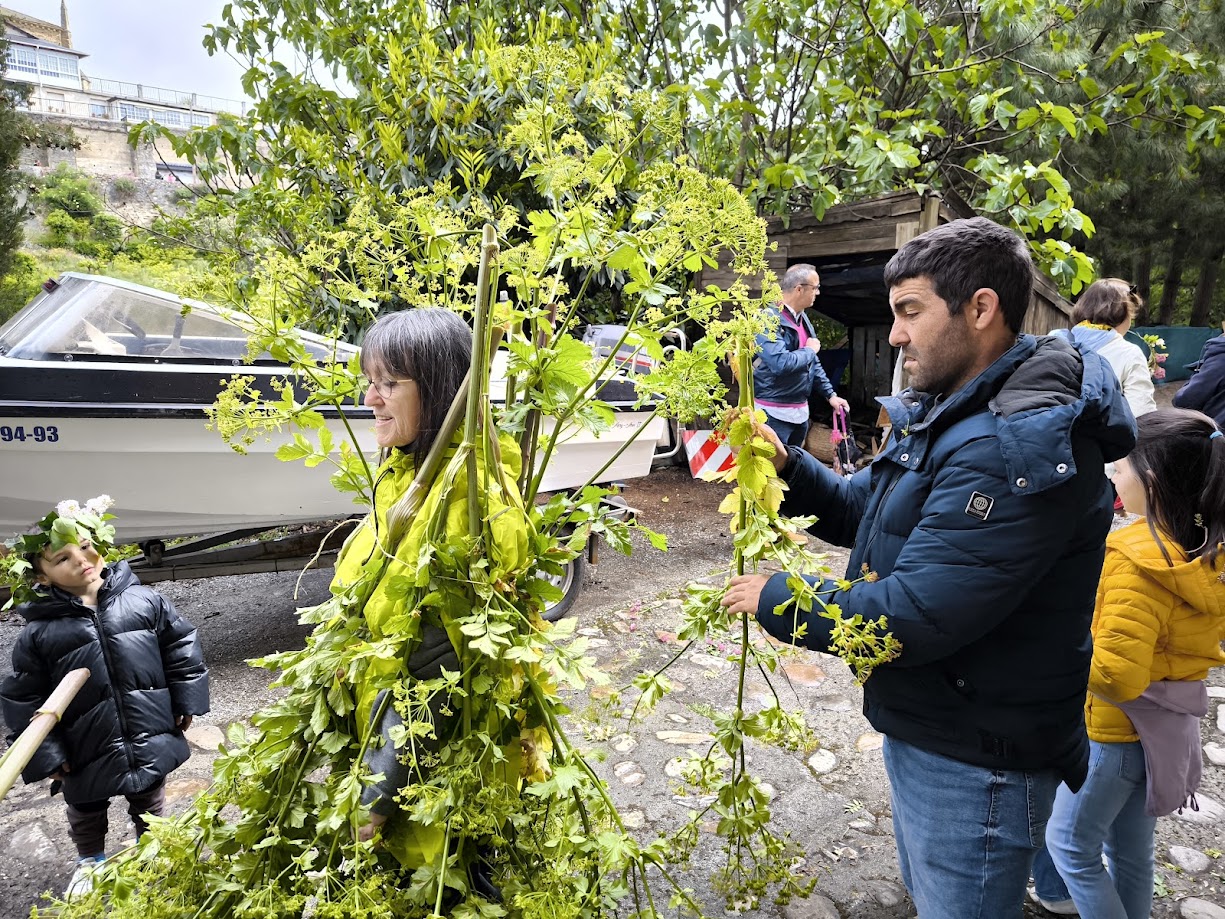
column 103, row 390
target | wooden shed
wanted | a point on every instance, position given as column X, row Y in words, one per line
column 850, row 246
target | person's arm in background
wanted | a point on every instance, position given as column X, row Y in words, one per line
column 1205, row 382
column 1137, row 384
column 822, row 385
column 774, row 356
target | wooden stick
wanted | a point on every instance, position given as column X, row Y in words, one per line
column 19, row 754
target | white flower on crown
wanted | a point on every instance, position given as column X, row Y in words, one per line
column 99, row 505
column 67, row 508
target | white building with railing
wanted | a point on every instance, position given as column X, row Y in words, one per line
column 40, row 55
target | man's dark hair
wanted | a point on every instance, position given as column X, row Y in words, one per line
column 963, row 256
column 795, row 276
column 1108, row 301
column 431, row 345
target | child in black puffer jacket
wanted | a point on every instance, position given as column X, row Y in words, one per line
column 123, row 733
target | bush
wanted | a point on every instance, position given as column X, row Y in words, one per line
column 123, row 189
column 106, row 228
column 63, row 230
column 71, row 191
column 20, row 285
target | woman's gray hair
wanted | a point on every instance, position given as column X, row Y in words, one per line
column 430, row 345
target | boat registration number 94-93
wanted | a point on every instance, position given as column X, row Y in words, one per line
column 38, row 433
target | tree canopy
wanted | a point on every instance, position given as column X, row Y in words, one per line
column 1010, row 106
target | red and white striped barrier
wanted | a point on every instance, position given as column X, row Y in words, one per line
column 707, row 452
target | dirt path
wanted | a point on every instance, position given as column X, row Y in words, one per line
column 834, row 802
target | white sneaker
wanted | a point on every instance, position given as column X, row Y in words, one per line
column 1058, row 907
column 82, row 880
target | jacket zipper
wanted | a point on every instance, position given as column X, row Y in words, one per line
column 880, row 507
column 96, row 615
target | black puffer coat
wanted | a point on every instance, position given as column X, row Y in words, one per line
column 118, row 735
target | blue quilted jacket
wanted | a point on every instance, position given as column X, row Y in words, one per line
column 985, row 520
column 782, row 370
column 1205, row 391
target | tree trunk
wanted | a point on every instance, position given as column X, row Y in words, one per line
column 1142, row 281
column 1173, row 279
column 1208, row 271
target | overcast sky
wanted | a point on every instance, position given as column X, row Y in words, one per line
column 154, row 42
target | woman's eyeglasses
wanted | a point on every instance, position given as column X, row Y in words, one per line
column 385, row 388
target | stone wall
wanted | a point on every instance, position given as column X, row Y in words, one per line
column 104, row 151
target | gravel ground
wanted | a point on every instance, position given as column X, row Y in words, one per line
column 835, row 805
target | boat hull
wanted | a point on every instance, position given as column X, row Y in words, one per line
column 174, row 477
column 169, row 476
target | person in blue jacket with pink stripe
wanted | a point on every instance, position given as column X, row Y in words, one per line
column 787, row 370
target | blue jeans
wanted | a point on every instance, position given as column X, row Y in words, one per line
column 789, row 432
column 1105, row 817
column 966, row 835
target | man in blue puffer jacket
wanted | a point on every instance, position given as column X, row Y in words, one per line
column 985, row 522
column 1205, row 391
column 786, row 370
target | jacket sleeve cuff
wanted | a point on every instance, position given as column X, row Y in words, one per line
column 190, row 696
column 383, row 805
column 46, row 760
column 793, row 460
column 784, row 624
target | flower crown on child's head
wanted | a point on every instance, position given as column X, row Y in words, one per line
column 70, row 523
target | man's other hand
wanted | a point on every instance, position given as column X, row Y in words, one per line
column 780, row 457
column 744, row 593
column 366, row 831
column 813, row 344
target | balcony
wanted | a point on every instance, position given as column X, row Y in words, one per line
column 156, row 95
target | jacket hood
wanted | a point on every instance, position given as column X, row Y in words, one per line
column 1201, row 587
column 1086, row 338
column 116, row 578
column 1040, row 391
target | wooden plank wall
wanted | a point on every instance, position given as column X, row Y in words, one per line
column 1047, row 310
column 872, row 359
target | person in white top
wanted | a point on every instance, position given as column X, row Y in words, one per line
column 1101, row 318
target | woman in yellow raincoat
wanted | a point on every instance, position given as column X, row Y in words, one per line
column 416, row 361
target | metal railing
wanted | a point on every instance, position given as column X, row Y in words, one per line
column 159, row 96
column 129, row 112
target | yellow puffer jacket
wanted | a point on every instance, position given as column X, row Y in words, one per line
column 384, row 582
column 364, row 553
column 1153, row 621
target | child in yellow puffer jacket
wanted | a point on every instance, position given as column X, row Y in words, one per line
column 1157, row 630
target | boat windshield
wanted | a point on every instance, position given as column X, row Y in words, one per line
column 96, row 318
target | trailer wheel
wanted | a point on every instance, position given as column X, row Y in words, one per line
column 570, row 583
column 152, row 550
